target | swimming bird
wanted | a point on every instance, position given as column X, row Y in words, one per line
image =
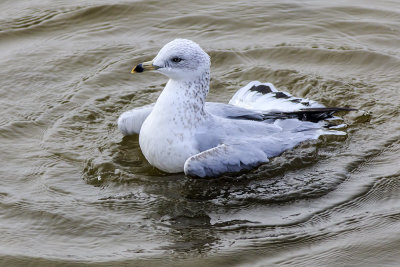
column 183, row 133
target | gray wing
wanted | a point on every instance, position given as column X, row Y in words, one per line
column 232, row 112
column 247, row 144
column 224, row 159
column 255, row 101
column 131, row 121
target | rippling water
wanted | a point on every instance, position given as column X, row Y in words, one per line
column 73, row 190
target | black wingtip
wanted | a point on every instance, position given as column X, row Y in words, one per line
column 331, row 109
column 308, row 114
column 263, row 89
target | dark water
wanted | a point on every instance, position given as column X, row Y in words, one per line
column 73, row 190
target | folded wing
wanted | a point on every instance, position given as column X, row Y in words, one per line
column 224, row 159
column 255, row 101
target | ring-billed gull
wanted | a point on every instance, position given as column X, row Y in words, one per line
column 183, row 133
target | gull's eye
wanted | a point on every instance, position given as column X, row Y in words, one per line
column 176, row 59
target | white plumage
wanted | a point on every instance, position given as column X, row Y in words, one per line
column 181, row 132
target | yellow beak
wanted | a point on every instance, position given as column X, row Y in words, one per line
column 144, row 67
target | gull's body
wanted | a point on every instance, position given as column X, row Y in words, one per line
column 181, row 132
column 169, row 150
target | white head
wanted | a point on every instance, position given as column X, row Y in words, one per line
column 180, row 59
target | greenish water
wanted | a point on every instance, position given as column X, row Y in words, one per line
column 74, row 191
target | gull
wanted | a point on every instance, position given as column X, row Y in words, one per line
column 181, row 132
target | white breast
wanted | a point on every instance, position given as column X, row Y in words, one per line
column 165, row 144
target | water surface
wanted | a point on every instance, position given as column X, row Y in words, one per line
column 73, row 190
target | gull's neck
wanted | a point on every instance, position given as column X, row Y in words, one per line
column 182, row 101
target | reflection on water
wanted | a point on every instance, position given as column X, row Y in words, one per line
column 72, row 189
